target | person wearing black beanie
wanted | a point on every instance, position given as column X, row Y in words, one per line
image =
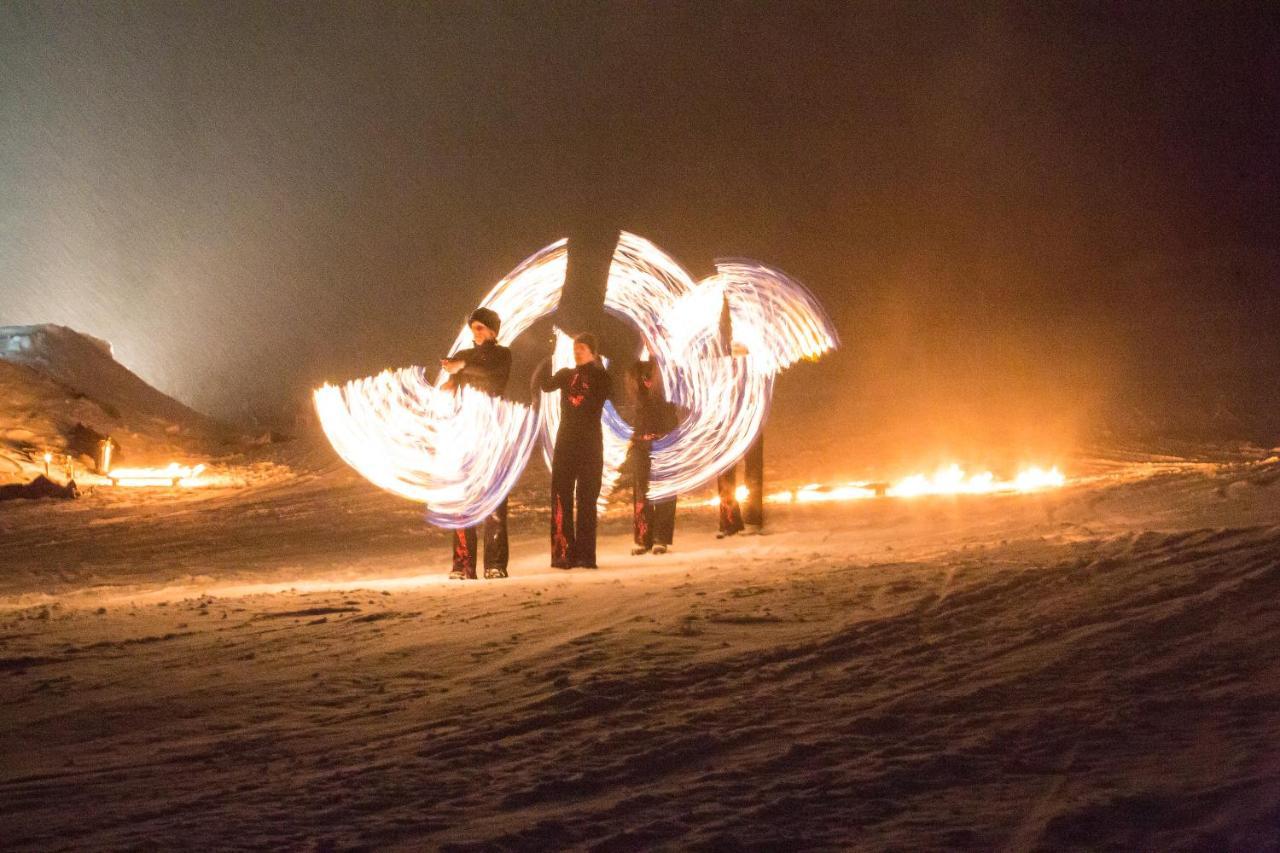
column 485, row 367
column 488, row 318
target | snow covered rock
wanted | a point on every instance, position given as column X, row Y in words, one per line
column 86, row 365
column 58, row 385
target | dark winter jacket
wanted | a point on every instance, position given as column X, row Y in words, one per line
column 488, row 367
column 583, row 392
column 650, row 414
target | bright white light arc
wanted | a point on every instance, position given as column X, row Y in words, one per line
column 724, row 399
column 529, row 292
column 460, row 454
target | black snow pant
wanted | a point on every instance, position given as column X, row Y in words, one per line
column 654, row 522
column 495, row 544
column 577, row 466
column 732, row 516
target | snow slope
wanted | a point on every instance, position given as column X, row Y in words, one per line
column 52, row 378
column 87, row 364
column 1096, row 668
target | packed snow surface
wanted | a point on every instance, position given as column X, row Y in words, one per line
column 285, row 666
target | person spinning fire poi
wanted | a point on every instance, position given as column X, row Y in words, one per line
column 733, row 519
column 577, row 463
column 651, row 417
column 485, row 367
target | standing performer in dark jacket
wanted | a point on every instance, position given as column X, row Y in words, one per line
column 652, row 417
column 733, row 519
column 577, row 463
column 485, row 367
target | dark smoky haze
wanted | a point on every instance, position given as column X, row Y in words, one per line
column 1032, row 225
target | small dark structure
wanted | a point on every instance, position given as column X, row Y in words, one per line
column 40, row 487
column 86, row 441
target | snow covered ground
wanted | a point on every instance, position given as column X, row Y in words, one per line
column 284, row 666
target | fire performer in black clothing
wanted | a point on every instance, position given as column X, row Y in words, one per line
column 733, row 519
column 485, row 367
column 652, row 417
column 577, row 464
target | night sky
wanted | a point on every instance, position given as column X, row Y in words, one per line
column 1026, row 221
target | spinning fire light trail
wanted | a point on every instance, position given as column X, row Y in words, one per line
column 725, row 399
column 529, row 292
column 460, row 454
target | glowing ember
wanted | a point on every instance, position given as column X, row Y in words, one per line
column 952, row 480
column 820, row 494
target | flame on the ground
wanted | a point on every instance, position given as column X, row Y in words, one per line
column 174, row 474
column 952, row 480
column 948, row 480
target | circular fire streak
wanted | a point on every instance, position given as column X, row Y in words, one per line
column 529, row 292
column 724, row 399
column 459, row 453
column 462, row 453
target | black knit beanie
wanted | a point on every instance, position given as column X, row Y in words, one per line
column 488, row 317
